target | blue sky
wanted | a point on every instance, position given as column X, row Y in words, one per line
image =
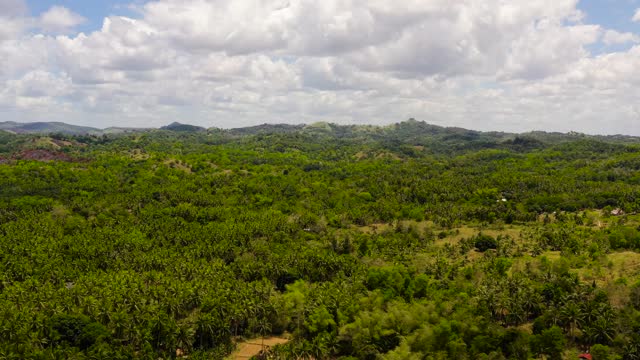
column 612, row 14
column 94, row 10
column 516, row 65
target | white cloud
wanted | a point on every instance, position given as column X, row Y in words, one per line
column 25, row 54
column 411, row 37
column 121, row 48
column 636, row 16
column 10, row 28
column 10, row 8
column 547, row 49
column 59, row 19
column 13, row 20
column 38, row 83
column 612, row 37
column 516, row 65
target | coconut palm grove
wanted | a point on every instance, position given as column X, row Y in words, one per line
column 407, row 241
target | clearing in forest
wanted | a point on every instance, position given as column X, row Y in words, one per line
column 249, row 348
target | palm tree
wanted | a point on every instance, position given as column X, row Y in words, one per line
column 531, row 301
column 631, row 351
column 264, row 327
column 184, row 338
column 304, row 350
column 600, row 331
column 572, row 317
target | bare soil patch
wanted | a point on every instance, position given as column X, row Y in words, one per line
column 42, row 155
column 252, row 347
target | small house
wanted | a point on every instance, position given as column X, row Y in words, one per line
column 617, row 212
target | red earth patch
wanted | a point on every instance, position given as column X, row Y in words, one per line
column 38, row 155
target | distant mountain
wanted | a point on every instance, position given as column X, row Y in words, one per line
column 405, row 133
column 62, row 128
column 266, row 129
column 123, row 130
column 47, row 128
column 176, row 126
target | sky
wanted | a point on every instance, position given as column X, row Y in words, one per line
column 505, row 65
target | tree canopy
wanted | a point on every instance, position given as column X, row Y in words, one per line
column 405, row 242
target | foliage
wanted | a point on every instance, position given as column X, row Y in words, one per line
column 402, row 242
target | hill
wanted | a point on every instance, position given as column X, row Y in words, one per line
column 46, row 128
column 175, row 126
column 411, row 132
column 265, row 129
column 406, row 241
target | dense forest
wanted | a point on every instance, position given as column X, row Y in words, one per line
column 409, row 241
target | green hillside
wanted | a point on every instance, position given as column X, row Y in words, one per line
column 408, row 241
column 46, row 128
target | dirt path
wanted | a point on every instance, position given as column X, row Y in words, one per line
column 249, row 348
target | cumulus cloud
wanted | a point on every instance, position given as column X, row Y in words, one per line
column 13, row 8
column 13, row 19
column 38, row 84
column 636, row 16
column 59, row 19
column 11, row 27
column 612, row 37
column 516, row 65
column 411, row 37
